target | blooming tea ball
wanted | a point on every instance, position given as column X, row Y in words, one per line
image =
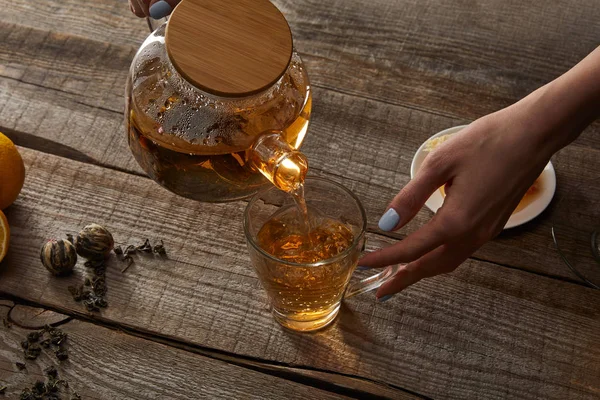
column 94, row 242
column 58, row 256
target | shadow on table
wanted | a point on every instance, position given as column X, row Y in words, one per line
column 348, row 325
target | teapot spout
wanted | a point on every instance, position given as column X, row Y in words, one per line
column 279, row 162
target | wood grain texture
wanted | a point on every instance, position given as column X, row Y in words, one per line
column 482, row 331
column 350, row 141
column 34, row 318
column 108, row 364
column 229, row 49
column 61, row 91
column 463, row 59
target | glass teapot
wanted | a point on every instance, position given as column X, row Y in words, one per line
column 218, row 102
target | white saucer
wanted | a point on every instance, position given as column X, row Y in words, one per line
column 532, row 210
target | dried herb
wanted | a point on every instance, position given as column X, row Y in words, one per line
column 51, row 372
column 33, row 337
column 160, row 249
column 91, row 293
column 146, row 247
column 129, row 263
column 99, row 286
column 33, row 351
column 131, row 249
column 48, row 390
column 39, row 388
column 61, row 354
column 94, row 242
column 48, row 336
column 57, row 337
column 97, row 266
column 58, row 256
column 21, row 366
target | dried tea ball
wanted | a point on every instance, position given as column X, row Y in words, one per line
column 58, row 256
column 94, row 242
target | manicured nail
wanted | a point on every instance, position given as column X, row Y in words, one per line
column 160, row 9
column 359, row 268
column 385, row 298
column 389, row 220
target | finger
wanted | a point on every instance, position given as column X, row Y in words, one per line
column 417, row 244
column 139, row 7
column 411, row 198
column 161, row 8
column 444, row 259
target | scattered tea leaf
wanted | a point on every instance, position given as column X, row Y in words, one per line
column 51, row 372
column 33, row 337
column 146, row 247
column 48, row 390
column 33, row 351
column 3, row 389
column 160, row 249
column 20, row 365
column 129, row 263
column 61, row 354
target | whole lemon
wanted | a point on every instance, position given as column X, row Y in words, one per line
column 12, row 172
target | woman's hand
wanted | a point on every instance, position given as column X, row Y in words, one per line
column 486, row 168
column 152, row 8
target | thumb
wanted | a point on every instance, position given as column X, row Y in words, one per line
column 161, row 8
column 431, row 176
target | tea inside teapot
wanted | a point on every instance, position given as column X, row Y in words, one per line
column 205, row 144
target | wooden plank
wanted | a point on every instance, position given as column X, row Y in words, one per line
column 108, row 364
column 62, row 94
column 462, row 59
column 482, row 331
column 34, row 318
column 350, row 141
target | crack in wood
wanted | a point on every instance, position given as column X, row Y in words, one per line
column 47, row 146
column 296, row 373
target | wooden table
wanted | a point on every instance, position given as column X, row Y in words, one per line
column 511, row 322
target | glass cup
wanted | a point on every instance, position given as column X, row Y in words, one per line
column 307, row 296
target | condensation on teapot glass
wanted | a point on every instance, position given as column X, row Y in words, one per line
column 197, row 144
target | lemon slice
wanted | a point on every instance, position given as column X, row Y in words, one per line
column 4, row 235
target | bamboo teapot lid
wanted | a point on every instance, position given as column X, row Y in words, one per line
column 229, row 48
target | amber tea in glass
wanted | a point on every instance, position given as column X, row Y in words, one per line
column 305, row 266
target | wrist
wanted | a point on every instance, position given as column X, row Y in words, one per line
column 555, row 114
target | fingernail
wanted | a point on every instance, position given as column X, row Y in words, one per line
column 389, row 220
column 384, row 298
column 160, row 9
column 359, row 268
